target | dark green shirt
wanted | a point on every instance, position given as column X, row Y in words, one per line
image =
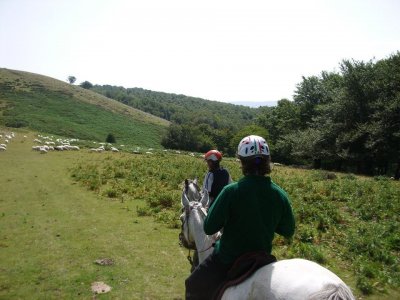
column 250, row 211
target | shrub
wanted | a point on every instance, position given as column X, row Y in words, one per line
column 364, row 285
column 169, row 218
column 143, row 211
column 111, row 193
column 110, row 139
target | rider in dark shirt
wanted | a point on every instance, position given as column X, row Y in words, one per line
column 217, row 177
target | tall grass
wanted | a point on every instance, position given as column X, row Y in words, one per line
column 348, row 223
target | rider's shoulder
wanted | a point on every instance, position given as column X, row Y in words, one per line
column 278, row 189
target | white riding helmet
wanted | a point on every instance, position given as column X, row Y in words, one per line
column 252, row 146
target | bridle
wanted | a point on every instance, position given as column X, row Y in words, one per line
column 194, row 183
column 183, row 242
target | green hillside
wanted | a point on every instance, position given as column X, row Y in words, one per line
column 51, row 106
column 182, row 109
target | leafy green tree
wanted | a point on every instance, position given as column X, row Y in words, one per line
column 110, row 139
column 71, row 79
column 249, row 130
column 308, row 95
column 187, row 137
column 280, row 120
column 86, row 85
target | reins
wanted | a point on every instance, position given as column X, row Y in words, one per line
column 182, row 239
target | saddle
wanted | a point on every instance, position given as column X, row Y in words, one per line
column 243, row 267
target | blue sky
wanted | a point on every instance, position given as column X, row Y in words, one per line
column 218, row 50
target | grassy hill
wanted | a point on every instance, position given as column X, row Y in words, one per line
column 182, row 109
column 55, row 107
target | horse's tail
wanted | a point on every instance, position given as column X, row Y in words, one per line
column 333, row 292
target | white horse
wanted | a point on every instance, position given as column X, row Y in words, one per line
column 289, row 279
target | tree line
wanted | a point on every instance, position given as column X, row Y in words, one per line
column 347, row 120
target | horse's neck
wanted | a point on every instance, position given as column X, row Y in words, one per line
column 203, row 241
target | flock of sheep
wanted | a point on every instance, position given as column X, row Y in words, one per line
column 44, row 144
column 7, row 138
column 47, row 144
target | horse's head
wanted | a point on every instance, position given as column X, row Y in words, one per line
column 194, row 204
column 192, row 189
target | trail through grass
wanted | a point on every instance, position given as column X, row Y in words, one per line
column 52, row 231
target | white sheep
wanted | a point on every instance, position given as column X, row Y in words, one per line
column 75, row 148
column 3, row 145
column 113, row 149
column 3, row 149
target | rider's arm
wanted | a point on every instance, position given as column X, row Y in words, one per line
column 286, row 225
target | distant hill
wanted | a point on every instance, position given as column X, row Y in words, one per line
column 182, row 109
column 51, row 106
column 256, row 104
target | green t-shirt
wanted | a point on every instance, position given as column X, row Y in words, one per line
column 250, row 211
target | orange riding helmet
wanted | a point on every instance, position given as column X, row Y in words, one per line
column 213, row 155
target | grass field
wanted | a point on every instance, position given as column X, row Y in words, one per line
column 61, row 211
column 52, row 230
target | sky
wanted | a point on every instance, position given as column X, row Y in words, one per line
column 227, row 51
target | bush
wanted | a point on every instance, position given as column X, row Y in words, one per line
column 364, row 285
column 111, row 139
column 111, row 193
column 16, row 123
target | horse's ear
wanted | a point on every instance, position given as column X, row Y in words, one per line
column 184, row 200
column 186, row 185
column 205, row 198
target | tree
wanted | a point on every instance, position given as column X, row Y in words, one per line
column 249, row 130
column 71, row 79
column 86, row 85
column 110, row 139
column 187, row 137
column 280, row 120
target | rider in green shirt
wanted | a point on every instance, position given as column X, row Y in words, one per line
column 250, row 212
